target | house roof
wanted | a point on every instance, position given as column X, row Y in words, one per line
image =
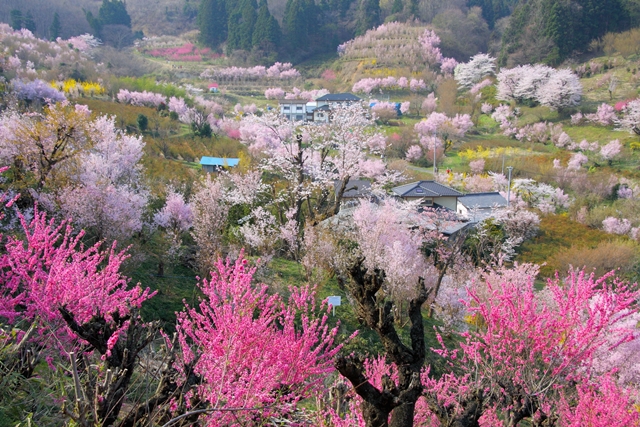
column 337, row 97
column 482, row 200
column 355, row 188
column 323, row 108
column 425, row 189
column 218, row 161
column 292, row 101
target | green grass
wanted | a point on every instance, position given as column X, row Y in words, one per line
column 557, row 233
column 177, row 284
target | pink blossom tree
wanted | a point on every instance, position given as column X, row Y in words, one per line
column 79, row 303
column 529, row 348
column 605, row 115
column 176, row 217
column 251, row 349
column 631, row 117
column 611, row 150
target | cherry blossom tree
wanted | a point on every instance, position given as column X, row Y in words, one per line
column 611, row 150
column 563, row 89
column 107, row 193
column 631, row 117
column 349, row 146
column 470, row 73
column 605, row 115
column 540, row 83
column 176, row 217
column 39, row 144
column 386, row 266
column 439, row 130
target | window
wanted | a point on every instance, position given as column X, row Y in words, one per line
column 299, row 117
column 299, row 108
column 320, row 115
column 427, row 202
column 286, row 108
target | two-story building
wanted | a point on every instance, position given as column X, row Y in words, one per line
column 315, row 111
column 294, row 109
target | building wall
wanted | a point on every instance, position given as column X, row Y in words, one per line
column 447, row 202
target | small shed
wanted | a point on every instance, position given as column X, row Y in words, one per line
column 216, row 164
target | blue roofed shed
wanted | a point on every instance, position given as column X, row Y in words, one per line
column 216, row 164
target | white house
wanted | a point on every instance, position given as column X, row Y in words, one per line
column 315, row 111
column 294, row 109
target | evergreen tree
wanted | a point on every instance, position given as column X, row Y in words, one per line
column 29, row 23
column 397, row 6
column 212, row 20
column 55, row 28
column 266, row 33
column 559, row 27
column 368, row 16
column 16, row 19
column 94, row 23
column 241, row 24
column 294, row 23
column 114, row 12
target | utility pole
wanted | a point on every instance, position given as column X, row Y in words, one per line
column 434, row 160
column 509, row 168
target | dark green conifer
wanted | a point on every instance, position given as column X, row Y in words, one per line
column 213, row 20
column 266, row 33
column 368, row 16
column 55, row 28
column 16, row 19
column 241, row 24
column 29, row 23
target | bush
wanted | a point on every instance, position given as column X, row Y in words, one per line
column 143, row 122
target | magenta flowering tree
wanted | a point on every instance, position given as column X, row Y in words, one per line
column 529, row 349
column 250, row 349
column 78, row 303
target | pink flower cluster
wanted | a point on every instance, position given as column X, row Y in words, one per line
column 146, row 99
column 368, row 85
column 186, row 52
column 278, row 71
column 246, row 343
column 309, row 95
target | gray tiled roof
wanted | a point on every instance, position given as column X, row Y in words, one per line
column 482, row 200
column 355, row 188
column 425, row 189
column 339, row 97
